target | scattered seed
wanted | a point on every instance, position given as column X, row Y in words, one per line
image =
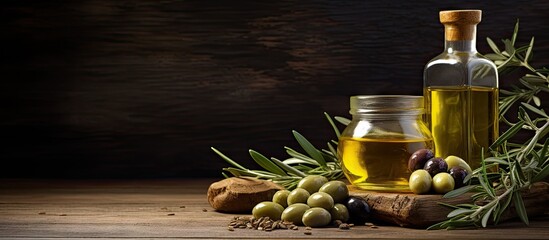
column 308, row 228
column 371, row 225
column 344, row 226
column 262, row 223
column 307, row 233
column 294, row 227
column 230, row 228
column 351, row 224
column 171, row 214
column 204, row 210
column 63, row 214
column 42, row 213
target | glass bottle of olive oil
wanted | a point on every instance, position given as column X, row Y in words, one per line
column 461, row 92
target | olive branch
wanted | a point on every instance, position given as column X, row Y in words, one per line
column 289, row 172
column 519, row 164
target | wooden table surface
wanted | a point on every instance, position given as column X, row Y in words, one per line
column 130, row 209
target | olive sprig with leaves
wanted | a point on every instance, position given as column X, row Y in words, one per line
column 519, row 164
column 508, row 60
column 289, row 172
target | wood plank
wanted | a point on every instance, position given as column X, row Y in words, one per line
column 420, row 211
column 140, row 209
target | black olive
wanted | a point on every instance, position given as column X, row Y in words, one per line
column 436, row 165
column 459, row 174
column 359, row 210
column 419, row 158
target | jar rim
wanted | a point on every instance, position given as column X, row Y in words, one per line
column 387, row 96
column 387, row 104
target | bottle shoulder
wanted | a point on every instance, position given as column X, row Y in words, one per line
column 465, row 61
column 461, row 68
column 460, row 58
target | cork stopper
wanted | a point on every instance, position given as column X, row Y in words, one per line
column 460, row 25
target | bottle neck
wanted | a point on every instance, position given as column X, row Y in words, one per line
column 460, row 38
column 460, row 46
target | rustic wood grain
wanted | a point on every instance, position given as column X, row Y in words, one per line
column 98, row 209
column 420, row 211
column 144, row 88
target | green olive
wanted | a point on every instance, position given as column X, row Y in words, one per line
column 321, row 199
column 454, row 161
column 312, row 183
column 340, row 212
column 443, row 183
column 298, row 195
column 268, row 209
column 316, row 217
column 337, row 189
column 281, row 197
column 294, row 213
column 420, row 181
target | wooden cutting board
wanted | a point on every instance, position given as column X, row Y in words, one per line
column 420, row 211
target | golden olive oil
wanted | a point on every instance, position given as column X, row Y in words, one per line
column 463, row 120
column 379, row 164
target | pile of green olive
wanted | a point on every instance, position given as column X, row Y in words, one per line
column 440, row 174
column 316, row 202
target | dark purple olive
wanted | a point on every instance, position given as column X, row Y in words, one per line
column 459, row 174
column 419, row 158
column 359, row 210
column 436, row 165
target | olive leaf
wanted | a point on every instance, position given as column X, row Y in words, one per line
column 309, row 148
column 266, row 163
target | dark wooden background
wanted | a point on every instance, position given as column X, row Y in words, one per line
column 142, row 89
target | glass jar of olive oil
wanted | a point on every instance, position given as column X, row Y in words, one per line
column 375, row 146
